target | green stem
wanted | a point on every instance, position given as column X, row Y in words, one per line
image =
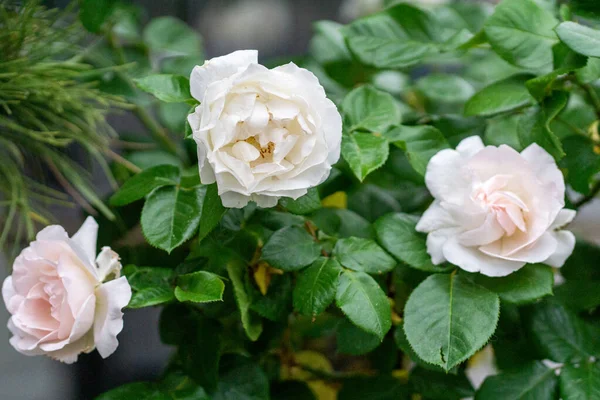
column 157, row 131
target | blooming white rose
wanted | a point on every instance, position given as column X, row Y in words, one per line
column 495, row 209
column 60, row 303
column 262, row 133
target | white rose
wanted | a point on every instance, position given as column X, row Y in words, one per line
column 495, row 209
column 64, row 300
column 262, row 134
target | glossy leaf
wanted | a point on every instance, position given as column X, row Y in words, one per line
column 145, row 182
column 502, row 96
column 363, row 255
column 167, row 88
column 534, row 381
column 369, row 109
column 316, row 286
column 441, row 323
column 420, row 143
column 290, row 249
column 522, row 33
column 523, row 286
column 364, row 152
column 237, row 271
column 580, row 382
column 199, row 287
column 582, row 39
column 150, row 285
column 364, row 303
column 306, row 204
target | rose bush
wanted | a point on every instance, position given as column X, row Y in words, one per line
column 262, row 134
column 496, row 210
column 359, row 231
column 64, row 300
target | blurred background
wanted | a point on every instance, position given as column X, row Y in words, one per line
column 278, row 29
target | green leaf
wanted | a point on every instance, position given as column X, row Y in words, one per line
column 93, row 13
column 316, row 286
column 276, row 304
column 579, row 295
column 503, row 130
column 580, row 382
column 306, row 204
column 396, row 233
column 243, row 382
column 368, row 109
column 445, row 88
column 534, row 381
column 167, row 88
column 420, row 143
column 441, row 323
column 522, row 33
column 398, row 37
column 582, row 162
column 327, row 45
column 342, row 223
column 150, row 285
column 212, row 209
column 439, row 385
column 363, row 255
column 354, row 341
column 561, row 335
column 403, row 344
column 238, row 271
column 502, row 96
column 136, row 390
column 290, row 249
column 523, row 286
column 171, row 216
column 534, row 127
column 364, row 152
column 171, row 36
column 364, row 303
column 199, row 287
column 381, row 387
column 200, row 350
column 581, row 39
column 145, row 182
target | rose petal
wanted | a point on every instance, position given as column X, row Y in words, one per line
column 86, row 238
column 470, row 146
column 565, row 243
column 111, row 298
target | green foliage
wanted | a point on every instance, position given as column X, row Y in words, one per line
column 316, row 287
column 290, row 249
column 199, row 287
column 534, row 381
column 441, row 324
column 363, row 255
column 167, row 88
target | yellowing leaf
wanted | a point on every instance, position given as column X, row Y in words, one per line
column 336, row 200
column 262, row 276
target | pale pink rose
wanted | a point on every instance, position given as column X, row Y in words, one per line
column 63, row 302
column 262, row 134
column 496, row 210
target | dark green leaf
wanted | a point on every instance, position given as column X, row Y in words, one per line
column 582, row 162
column 171, row 216
column 396, row 233
column 582, row 39
column 316, row 286
column 145, row 182
column 363, row 255
column 441, row 323
column 533, row 381
column 534, row 127
column 150, row 285
column 290, row 249
column 136, row 390
column 580, row 382
column 276, row 304
column 364, row 152
column 403, row 344
column 212, row 209
column 523, row 286
column 93, row 13
column 502, row 96
column 369, row 109
column 353, row 341
column 561, row 335
column 579, row 295
column 398, row 37
column 522, row 33
column 364, row 303
column 503, row 130
column 199, row 287
column 306, row 204
column 373, row 388
column 238, row 271
column 167, row 88
column 243, row 382
column 342, row 223
column 420, row 143
column 439, row 385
